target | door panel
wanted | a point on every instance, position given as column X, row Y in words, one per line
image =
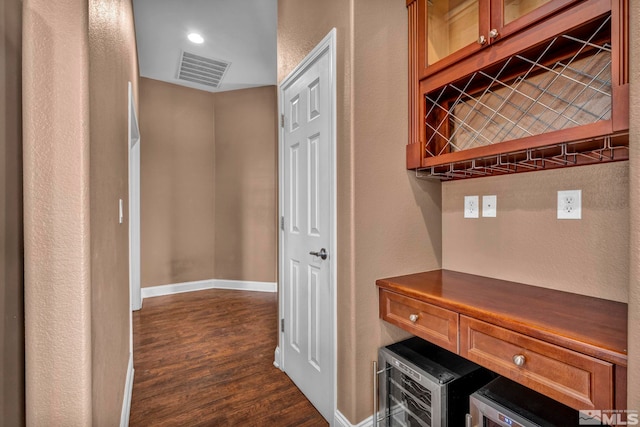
column 294, row 188
column 312, row 168
column 294, row 305
column 314, row 310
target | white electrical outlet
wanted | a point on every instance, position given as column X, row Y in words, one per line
column 570, row 204
column 489, row 206
column 471, row 206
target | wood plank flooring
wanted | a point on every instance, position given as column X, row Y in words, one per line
column 206, row 359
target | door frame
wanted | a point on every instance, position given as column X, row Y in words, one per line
column 328, row 46
column 135, row 293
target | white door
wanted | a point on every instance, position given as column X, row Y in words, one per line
column 308, row 235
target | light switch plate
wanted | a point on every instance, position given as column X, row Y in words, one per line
column 489, row 206
column 471, row 207
column 570, row 204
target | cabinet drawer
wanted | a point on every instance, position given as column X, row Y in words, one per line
column 572, row 378
column 434, row 324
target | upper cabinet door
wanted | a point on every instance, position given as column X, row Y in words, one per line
column 451, row 26
column 509, row 16
column 451, row 30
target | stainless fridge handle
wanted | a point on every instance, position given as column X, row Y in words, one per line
column 468, row 422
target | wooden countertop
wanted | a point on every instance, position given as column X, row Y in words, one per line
column 592, row 326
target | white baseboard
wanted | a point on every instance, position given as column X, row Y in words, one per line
column 340, row 420
column 128, row 389
column 238, row 285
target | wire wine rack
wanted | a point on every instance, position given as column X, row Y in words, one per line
column 559, row 84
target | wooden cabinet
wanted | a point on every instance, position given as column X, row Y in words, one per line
column 569, row 347
column 435, row 324
column 577, row 380
column 503, row 86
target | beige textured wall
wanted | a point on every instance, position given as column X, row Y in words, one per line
column 633, row 379
column 76, row 269
column 177, row 183
column 388, row 222
column 208, row 184
column 246, row 184
column 11, row 259
column 526, row 243
column 397, row 217
column 56, row 213
column 113, row 63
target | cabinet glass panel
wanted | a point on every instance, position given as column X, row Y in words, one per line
column 452, row 25
column 514, row 9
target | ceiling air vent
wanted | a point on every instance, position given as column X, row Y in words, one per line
column 202, row 70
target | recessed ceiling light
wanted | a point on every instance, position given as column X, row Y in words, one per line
column 195, row 38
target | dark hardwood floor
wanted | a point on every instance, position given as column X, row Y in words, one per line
column 206, row 359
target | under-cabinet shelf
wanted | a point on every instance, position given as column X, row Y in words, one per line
column 565, row 154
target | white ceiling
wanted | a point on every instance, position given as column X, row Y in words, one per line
column 242, row 32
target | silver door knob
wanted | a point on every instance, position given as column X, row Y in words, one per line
column 322, row 254
column 413, row 318
column 482, row 40
column 519, row 360
column 494, row 33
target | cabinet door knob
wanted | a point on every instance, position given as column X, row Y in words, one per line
column 482, row 40
column 413, row 318
column 519, row 360
column 494, row 33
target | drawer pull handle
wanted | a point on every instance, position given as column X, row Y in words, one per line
column 519, row 360
column 413, row 318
